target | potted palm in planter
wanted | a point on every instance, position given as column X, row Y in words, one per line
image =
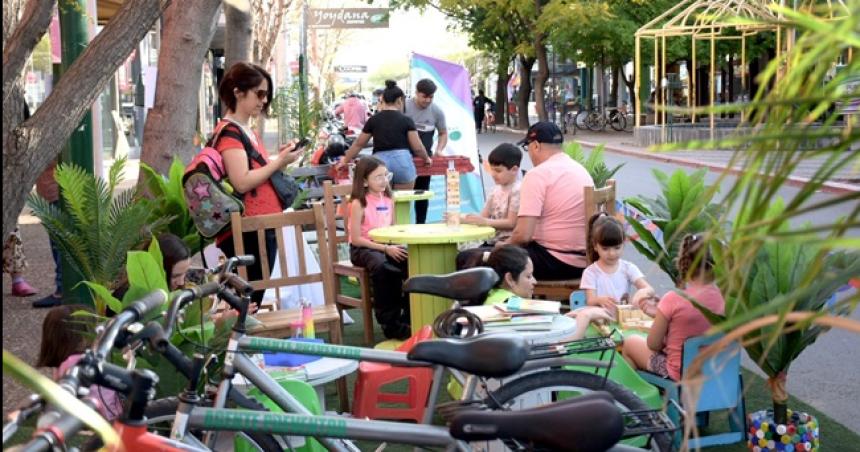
column 593, row 163
column 777, row 279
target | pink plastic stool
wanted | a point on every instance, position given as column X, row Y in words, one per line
column 372, row 377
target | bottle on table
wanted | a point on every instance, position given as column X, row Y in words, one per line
column 452, row 179
column 307, row 318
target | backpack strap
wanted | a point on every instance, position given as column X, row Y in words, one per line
column 232, row 130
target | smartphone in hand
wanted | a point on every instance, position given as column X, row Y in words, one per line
column 302, row 143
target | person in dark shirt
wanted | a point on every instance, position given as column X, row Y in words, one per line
column 394, row 139
column 480, row 105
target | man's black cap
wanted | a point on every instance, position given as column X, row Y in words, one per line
column 543, row 132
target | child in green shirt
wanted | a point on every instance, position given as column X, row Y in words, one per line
column 514, row 268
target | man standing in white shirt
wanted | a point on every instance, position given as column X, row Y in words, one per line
column 428, row 119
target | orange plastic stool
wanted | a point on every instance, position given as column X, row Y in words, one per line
column 372, row 377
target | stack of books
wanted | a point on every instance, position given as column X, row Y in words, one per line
column 518, row 314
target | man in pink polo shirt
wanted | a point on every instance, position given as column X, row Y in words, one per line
column 354, row 112
column 551, row 221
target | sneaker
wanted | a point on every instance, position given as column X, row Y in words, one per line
column 48, row 302
column 22, row 289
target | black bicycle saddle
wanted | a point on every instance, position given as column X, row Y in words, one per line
column 588, row 423
column 462, row 285
column 494, row 356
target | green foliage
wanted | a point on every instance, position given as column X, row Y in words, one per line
column 166, row 202
column 94, row 227
column 684, row 207
column 594, row 164
column 295, row 121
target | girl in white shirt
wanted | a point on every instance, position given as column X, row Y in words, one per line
column 608, row 280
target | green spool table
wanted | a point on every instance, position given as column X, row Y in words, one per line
column 403, row 200
column 432, row 251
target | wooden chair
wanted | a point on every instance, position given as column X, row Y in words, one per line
column 278, row 323
column 345, row 267
column 596, row 200
column 722, row 390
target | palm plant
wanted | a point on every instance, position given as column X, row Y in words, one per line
column 166, row 202
column 775, row 277
column 684, row 208
column 94, row 227
column 594, row 164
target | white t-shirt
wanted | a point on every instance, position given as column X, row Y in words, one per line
column 610, row 284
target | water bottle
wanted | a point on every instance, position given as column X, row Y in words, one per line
column 307, row 318
column 452, row 178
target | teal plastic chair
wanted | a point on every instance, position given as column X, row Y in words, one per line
column 305, row 394
column 577, row 299
column 722, row 390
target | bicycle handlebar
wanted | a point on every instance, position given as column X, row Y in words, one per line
column 134, row 312
column 57, row 432
column 183, row 298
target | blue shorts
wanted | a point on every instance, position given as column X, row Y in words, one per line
column 399, row 162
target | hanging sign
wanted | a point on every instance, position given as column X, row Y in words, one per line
column 326, row 18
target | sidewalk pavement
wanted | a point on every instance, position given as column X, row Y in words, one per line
column 846, row 181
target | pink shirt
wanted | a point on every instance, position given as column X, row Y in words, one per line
column 553, row 192
column 109, row 403
column 379, row 212
column 354, row 112
column 685, row 321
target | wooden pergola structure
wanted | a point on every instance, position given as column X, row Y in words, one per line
column 707, row 21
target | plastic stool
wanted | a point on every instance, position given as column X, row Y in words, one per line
column 372, row 377
column 305, row 394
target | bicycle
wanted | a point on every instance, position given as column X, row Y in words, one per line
column 437, row 354
column 597, row 121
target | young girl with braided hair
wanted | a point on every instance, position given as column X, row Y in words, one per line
column 675, row 317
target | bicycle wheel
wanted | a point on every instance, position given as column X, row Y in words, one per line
column 595, row 122
column 160, row 414
column 579, row 122
column 548, row 386
column 617, row 122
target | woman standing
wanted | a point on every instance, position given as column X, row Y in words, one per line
column 394, row 135
column 246, row 91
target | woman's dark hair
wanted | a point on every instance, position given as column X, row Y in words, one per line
column 694, row 259
column 64, row 335
column 508, row 259
column 604, row 230
column 425, row 86
column 244, row 77
column 173, row 250
column 365, row 166
column 506, row 154
column 392, row 92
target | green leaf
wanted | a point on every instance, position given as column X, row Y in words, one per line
column 103, row 293
column 144, row 272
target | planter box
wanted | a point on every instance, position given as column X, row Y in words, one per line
column 799, row 435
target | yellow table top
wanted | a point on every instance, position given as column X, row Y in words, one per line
column 435, row 233
column 410, row 195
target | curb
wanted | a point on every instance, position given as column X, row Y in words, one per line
column 838, row 188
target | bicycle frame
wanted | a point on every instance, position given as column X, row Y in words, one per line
column 237, row 361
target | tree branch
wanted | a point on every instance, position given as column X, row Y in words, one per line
column 34, row 23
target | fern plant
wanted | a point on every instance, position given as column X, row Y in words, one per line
column 167, row 202
column 594, row 164
column 94, row 227
column 684, row 207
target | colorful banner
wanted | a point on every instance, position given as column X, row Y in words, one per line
column 454, row 97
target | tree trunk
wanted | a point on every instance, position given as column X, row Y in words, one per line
column 170, row 127
column 525, row 90
column 780, row 397
column 541, row 78
column 29, row 147
column 616, row 86
column 631, row 89
column 12, row 10
column 502, row 85
column 237, row 36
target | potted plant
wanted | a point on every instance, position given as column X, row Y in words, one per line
column 777, row 278
column 594, row 164
column 684, row 207
column 94, row 226
column 166, row 204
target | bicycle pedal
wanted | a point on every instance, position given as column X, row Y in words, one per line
column 645, row 422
